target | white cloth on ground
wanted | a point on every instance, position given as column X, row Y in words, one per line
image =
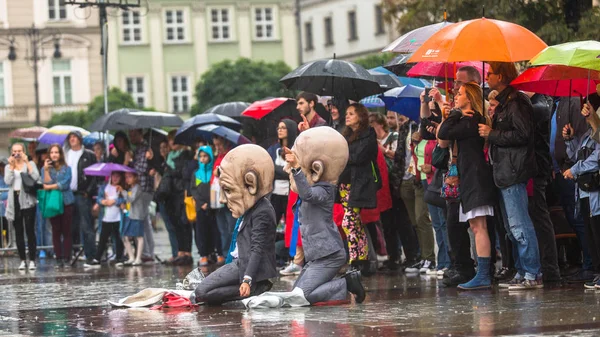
column 272, row 299
column 148, row 297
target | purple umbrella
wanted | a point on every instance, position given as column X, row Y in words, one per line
column 106, row 169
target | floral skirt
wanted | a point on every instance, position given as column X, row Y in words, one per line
column 356, row 236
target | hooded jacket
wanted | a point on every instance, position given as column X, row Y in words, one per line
column 201, row 187
column 275, row 149
column 85, row 184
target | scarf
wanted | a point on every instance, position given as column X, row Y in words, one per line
column 234, row 240
column 171, row 158
column 295, row 229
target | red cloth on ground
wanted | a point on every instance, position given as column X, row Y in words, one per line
column 289, row 220
column 174, row 301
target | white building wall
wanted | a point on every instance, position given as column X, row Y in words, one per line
column 315, row 11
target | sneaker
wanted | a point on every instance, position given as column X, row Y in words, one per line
column 137, row 262
column 515, row 281
column 203, row 262
column 442, row 271
column 592, row 284
column 527, row 285
column 23, row 265
column 427, row 266
column 291, row 269
column 581, row 277
column 59, row 264
column 128, row 262
column 94, row 264
column 504, row 274
column 32, row 265
column 415, row 268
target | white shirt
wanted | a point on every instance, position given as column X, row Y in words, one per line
column 73, row 161
column 111, row 213
column 18, row 182
column 281, row 187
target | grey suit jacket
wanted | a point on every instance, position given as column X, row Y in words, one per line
column 320, row 236
column 256, row 242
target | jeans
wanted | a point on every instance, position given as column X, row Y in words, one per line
column 170, row 229
column 413, row 195
column 438, row 220
column 544, row 229
column 226, row 223
column 565, row 189
column 43, row 229
column 514, row 207
column 82, row 220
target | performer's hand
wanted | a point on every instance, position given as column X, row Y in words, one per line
column 291, row 158
column 244, row 290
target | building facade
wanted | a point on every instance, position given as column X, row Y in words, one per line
column 67, row 82
column 162, row 49
column 347, row 28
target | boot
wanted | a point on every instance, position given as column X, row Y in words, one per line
column 59, row 264
column 482, row 279
column 354, row 285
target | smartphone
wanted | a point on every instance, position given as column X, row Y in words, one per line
column 427, row 98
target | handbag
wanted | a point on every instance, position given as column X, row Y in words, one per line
column 450, row 185
column 190, row 207
column 51, row 203
column 164, row 188
column 590, row 181
column 215, row 194
column 30, row 186
column 433, row 194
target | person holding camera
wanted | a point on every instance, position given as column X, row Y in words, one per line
column 20, row 208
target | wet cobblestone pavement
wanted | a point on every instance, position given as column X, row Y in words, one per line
column 73, row 303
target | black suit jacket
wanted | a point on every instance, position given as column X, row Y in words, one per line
column 256, row 242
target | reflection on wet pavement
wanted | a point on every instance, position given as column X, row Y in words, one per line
column 73, row 303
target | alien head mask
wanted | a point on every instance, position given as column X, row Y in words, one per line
column 245, row 175
column 322, row 154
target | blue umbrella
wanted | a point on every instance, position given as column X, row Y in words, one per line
column 404, row 100
column 417, row 82
column 186, row 134
column 92, row 138
column 210, row 130
column 372, row 102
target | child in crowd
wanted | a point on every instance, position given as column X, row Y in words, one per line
column 133, row 226
column 109, row 198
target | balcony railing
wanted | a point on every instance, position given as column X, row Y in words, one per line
column 25, row 114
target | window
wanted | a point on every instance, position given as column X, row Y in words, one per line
column 352, row 33
column 379, row 28
column 180, row 96
column 61, row 81
column 220, row 24
column 309, row 35
column 2, row 95
column 264, row 23
column 328, row 32
column 175, row 25
column 135, row 87
column 57, row 10
column 132, row 27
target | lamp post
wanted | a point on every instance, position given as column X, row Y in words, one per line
column 37, row 38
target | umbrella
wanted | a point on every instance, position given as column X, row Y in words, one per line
column 398, row 65
column 480, row 40
column 230, row 109
column 57, row 134
column 386, row 81
column 127, row 119
column 92, row 138
column 372, row 102
column 417, row 82
column 28, row 134
column 411, row 41
column 261, row 109
column 336, row 78
column 106, row 122
column 582, row 54
column 405, row 100
column 208, row 131
column 557, row 80
column 443, row 70
column 106, row 169
column 186, row 134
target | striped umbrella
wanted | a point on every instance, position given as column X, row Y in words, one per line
column 372, row 102
column 57, row 134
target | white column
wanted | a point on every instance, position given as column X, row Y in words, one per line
column 200, row 39
column 289, row 34
column 113, row 52
column 244, row 34
column 159, row 94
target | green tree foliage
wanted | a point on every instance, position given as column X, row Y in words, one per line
column 117, row 99
column 555, row 21
column 243, row 80
column 374, row 60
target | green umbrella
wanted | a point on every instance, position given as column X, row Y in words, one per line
column 582, row 54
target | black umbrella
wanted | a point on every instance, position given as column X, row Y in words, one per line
column 127, row 119
column 187, row 131
column 230, row 109
column 336, row 78
column 386, row 81
column 106, row 122
column 398, row 64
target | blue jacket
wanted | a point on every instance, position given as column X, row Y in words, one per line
column 100, row 198
column 62, row 178
column 590, row 164
column 3, row 196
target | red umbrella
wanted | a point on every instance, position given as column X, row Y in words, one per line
column 443, row 69
column 32, row 133
column 558, row 80
column 260, row 109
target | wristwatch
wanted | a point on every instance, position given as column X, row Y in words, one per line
column 247, row 281
column 295, row 170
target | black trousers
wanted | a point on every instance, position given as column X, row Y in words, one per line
column 177, row 216
column 279, row 203
column 24, row 222
column 506, row 247
column 544, row 230
column 592, row 232
column 206, row 233
column 110, row 229
column 397, row 223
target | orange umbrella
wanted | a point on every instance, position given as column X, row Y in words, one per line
column 480, row 40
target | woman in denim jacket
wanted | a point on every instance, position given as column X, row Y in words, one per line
column 56, row 175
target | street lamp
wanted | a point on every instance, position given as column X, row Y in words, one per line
column 37, row 41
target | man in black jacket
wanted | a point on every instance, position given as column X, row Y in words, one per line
column 512, row 152
column 84, row 188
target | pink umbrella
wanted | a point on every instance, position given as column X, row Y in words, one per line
column 443, row 69
column 558, row 80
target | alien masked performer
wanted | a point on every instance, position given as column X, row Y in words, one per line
column 317, row 159
column 246, row 178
